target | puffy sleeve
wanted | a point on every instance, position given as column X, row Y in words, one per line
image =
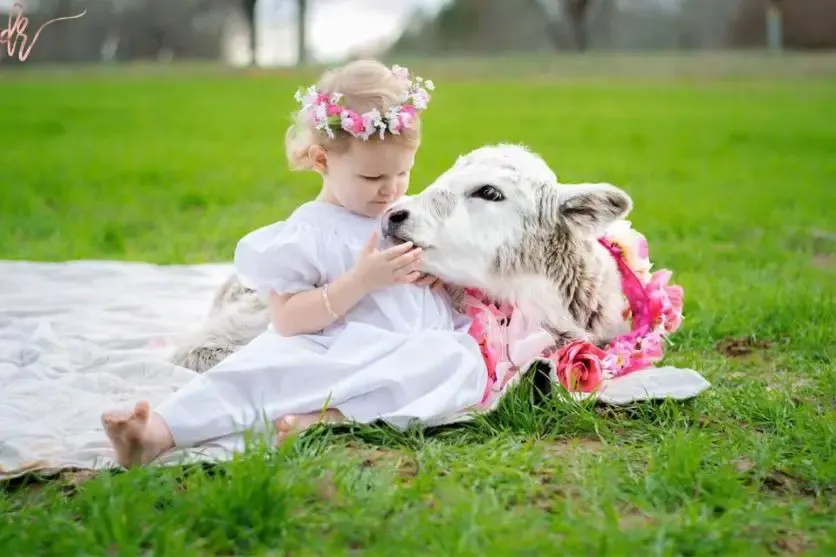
column 280, row 257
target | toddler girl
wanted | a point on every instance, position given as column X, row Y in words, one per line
column 354, row 328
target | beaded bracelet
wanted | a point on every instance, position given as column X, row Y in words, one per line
column 327, row 303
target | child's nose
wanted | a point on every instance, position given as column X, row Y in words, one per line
column 387, row 185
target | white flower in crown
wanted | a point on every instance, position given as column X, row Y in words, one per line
column 309, row 98
column 400, row 72
column 373, row 120
column 393, row 120
column 320, row 114
column 321, row 110
column 420, row 99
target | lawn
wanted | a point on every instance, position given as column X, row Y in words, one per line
column 733, row 182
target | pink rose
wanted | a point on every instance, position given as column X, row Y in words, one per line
column 334, row 110
column 353, row 123
column 578, row 366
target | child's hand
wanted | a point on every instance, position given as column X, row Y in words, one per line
column 378, row 269
column 432, row 281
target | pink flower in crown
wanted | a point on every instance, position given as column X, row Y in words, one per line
column 352, row 122
column 359, row 127
column 334, row 110
column 408, row 113
column 405, row 120
column 665, row 301
column 578, row 366
column 318, row 114
column 395, row 124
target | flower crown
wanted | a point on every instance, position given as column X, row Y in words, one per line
column 324, row 111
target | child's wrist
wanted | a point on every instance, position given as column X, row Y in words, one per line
column 351, row 285
column 354, row 281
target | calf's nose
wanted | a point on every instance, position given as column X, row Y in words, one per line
column 393, row 220
column 398, row 217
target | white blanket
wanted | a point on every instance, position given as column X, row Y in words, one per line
column 80, row 337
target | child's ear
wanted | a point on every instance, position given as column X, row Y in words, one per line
column 319, row 158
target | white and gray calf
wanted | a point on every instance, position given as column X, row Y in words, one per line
column 497, row 220
column 500, row 221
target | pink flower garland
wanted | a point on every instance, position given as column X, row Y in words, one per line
column 326, row 111
column 655, row 311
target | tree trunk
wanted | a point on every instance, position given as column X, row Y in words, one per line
column 301, row 39
column 576, row 11
column 249, row 11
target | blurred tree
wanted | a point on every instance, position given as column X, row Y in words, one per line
column 301, row 44
column 477, row 27
column 576, row 12
column 703, row 24
column 805, row 24
column 301, row 23
column 249, row 11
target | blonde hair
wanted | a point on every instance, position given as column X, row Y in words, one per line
column 364, row 85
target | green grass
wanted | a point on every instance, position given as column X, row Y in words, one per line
column 733, row 181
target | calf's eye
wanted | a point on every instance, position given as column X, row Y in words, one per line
column 488, row 193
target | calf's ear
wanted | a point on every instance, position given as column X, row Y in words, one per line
column 587, row 209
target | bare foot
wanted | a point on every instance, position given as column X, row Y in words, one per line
column 137, row 437
column 294, row 423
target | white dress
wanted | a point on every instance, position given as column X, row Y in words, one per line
column 401, row 354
